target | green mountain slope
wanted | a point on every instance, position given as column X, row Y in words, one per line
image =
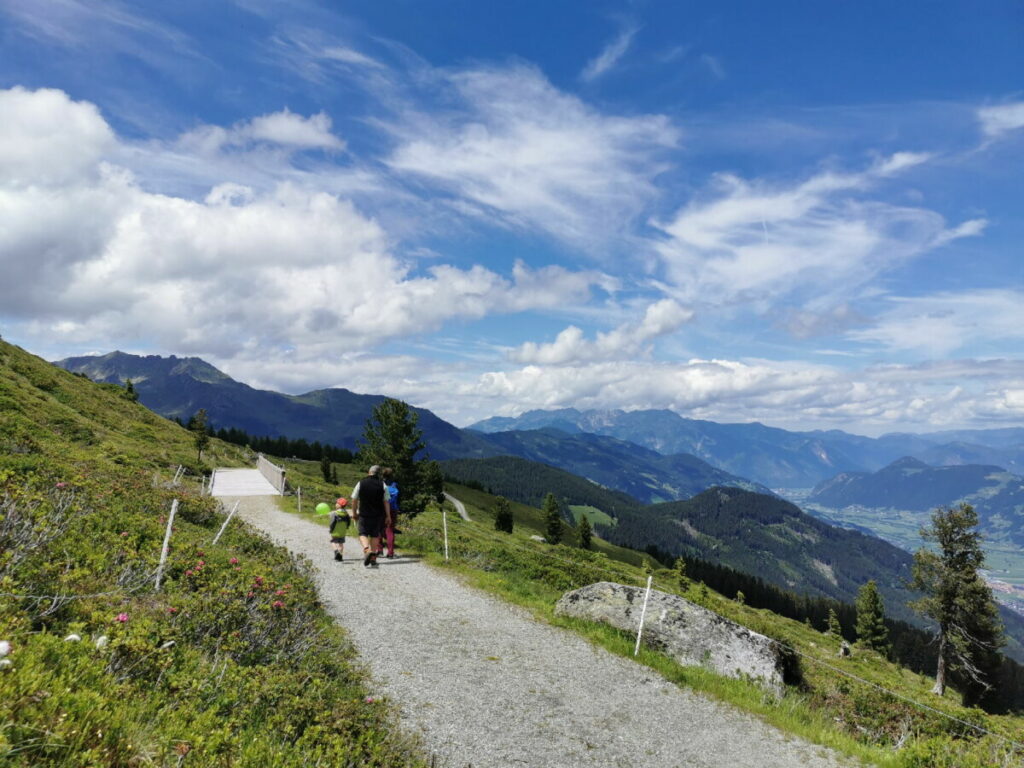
column 774, row 539
column 529, row 482
column 178, row 387
column 232, row 662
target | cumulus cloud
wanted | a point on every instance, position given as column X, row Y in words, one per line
column 609, row 56
column 999, row 120
column 625, row 342
column 284, row 128
column 519, row 149
column 749, row 241
column 92, row 257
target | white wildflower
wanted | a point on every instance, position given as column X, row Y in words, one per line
column 5, row 648
column 101, row 642
column 73, row 638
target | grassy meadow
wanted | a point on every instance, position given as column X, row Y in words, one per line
column 231, row 662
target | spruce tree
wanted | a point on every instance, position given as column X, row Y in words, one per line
column 325, row 467
column 199, row 428
column 392, row 438
column 958, row 600
column 552, row 520
column 834, row 627
column 585, row 532
column 129, row 391
column 503, row 520
column 871, row 630
column 680, row 572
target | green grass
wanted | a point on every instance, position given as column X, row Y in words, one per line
column 827, row 708
column 594, row 515
column 232, row 662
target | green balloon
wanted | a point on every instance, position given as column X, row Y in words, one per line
column 322, row 509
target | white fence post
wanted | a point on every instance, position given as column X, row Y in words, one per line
column 444, row 522
column 223, row 527
column 300, row 499
column 643, row 612
column 167, row 544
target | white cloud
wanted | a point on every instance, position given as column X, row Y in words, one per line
column 91, row 257
column 348, row 55
column 625, row 342
column 609, row 56
column 757, row 241
column 1002, row 119
column 284, row 128
column 943, row 323
column 46, row 138
column 535, row 156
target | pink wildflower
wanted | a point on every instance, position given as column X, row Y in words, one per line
column 62, row 485
column 233, row 561
column 124, row 533
column 370, row 700
column 277, row 604
column 122, row 617
column 280, row 592
column 188, row 572
column 172, row 610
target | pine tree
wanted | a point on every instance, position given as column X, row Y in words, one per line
column 325, row 467
column 585, row 532
column 956, row 598
column 552, row 520
column 129, row 391
column 200, row 431
column 503, row 520
column 680, row 572
column 834, row 627
column 392, row 438
column 871, row 630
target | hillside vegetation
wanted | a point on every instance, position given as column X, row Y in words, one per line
column 826, row 705
column 231, row 662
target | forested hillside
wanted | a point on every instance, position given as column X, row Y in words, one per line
column 528, row 482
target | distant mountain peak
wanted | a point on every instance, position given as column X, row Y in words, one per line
column 908, row 462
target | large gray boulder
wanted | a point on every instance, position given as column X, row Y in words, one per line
column 690, row 634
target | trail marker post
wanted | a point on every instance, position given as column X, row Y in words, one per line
column 643, row 613
column 167, row 544
column 299, row 492
column 444, row 523
column 223, row 527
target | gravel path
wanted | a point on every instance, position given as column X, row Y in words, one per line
column 459, row 507
column 488, row 686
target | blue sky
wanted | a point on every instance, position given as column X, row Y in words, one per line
column 806, row 214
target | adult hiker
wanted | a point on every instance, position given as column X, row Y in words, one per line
column 370, row 508
column 389, row 527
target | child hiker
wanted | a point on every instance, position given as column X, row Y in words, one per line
column 339, row 523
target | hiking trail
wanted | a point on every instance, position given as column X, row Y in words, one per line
column 486, row 685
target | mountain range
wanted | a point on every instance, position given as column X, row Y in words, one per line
column 741, row 526
column 775, row 457
column 178, row 387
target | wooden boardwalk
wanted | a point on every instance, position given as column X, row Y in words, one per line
column 241, row 482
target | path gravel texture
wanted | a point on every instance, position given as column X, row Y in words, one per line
column 488, row 686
